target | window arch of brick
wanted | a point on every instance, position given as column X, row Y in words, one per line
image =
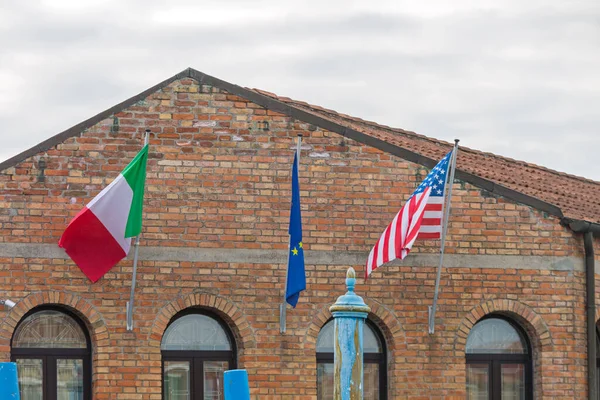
column 389, row 326
column 89, row 315
column 533, row 324
column 230, row 313
column 384, row 318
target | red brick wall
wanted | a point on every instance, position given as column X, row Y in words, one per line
column 219, row 178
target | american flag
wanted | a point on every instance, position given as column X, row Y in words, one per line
column 420, row 217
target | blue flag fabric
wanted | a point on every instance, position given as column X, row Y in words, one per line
column 296, row 276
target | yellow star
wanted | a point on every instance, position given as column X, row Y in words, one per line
column 300, row 245
column 295, row 251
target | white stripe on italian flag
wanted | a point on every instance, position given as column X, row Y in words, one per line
column 100, row 235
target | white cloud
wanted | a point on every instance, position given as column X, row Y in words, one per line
column 511, row 77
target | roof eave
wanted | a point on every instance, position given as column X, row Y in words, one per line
column 579, row 226
column 296, row 113
column 88, row 123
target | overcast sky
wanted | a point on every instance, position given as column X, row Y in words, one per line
column 513, row 77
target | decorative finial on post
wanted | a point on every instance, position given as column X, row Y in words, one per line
column 350, row 279
column 349, row 313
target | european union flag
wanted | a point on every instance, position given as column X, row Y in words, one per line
column 296, row 277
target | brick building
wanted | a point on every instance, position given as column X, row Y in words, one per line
column 512, row 316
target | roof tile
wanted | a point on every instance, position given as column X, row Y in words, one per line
column 557, row 192
column 577, row 197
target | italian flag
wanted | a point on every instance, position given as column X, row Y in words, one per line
column 100, row 235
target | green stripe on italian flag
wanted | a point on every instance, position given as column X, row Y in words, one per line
column 100, row 235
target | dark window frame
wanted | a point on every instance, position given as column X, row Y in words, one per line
column 196, row 358
column 495, row 361
column 368, row 358
column 49, row 356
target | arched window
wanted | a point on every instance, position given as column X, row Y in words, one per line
column 196, row 349
column 52, row 350
column 498, row 361
column 375, row 367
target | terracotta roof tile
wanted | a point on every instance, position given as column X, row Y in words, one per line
column 577, row 197
column 554, row 192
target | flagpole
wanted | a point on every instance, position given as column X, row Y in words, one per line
column 283, row 305
column 135, row 260
column 450, row 183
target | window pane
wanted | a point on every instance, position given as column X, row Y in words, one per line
column 370, row 341
column 513, row 381
column 213, row 379
column 69, row 379
column 325, row 381
column 326, row 339
column 30, row 378
column 195, row 332
column 49, row 329
column 177, row 380
column 371, row 382
column 495, row 336
column 478, row 382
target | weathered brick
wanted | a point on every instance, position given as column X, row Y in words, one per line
column 217, row 179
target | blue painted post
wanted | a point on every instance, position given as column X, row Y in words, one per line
column 236, row 385
column 349, row 313
column 9, row 384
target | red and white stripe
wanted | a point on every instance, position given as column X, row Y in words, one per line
column 421, row 216
column 431, row 226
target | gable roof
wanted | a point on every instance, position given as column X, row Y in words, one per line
column 571, row 198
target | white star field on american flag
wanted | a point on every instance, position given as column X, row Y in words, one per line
column 436, row 178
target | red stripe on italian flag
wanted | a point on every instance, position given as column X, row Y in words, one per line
column 100, row 235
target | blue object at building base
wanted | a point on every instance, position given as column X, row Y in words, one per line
column 236, row 385
column 9, row 384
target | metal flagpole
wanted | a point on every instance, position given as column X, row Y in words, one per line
column 450, row 183
column 283, row 305
column 135, row 260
